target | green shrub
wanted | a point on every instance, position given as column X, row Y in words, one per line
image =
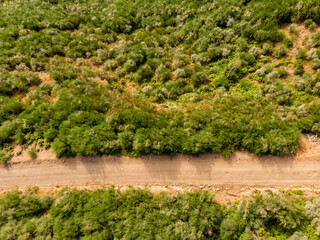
column 297, row 192
column 255, row 51
column 9, row 109
column 315, row 39
column 5, row 156
column 32, row 153
column 63, row 74
column 96, row 61
column 304, row 83
column 267, row 49
column 110, row 64
column 111, row 213
column 199, row 78
column 287, row 42
column 298, row 66
column 242, row 44
column 280, row 52
column 222, row 81
column 293, row 29
column 144, row 74
column 180, row 73
column 301, row 54
column 282, row 72
column 315, row 63
column 272, row 76
column 163, row 73
column 130, row 66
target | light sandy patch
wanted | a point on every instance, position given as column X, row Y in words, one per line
column 45, row 77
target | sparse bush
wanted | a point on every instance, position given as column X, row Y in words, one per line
column 315, row 39
column 5, row 156
column 180, row 73
column 130, row 66
column 315, row 63
column 103, row 54
column 189, row 97
column 63, row 74
column 287, row 42
column 199, row 78
column 144, row 74
column 301, row 54
column 163, row 73
column 304, row 83
column 282, row 72
column 37, row 65
column 96, row 61
column 32, row 153
column 272, row 76
column 111, row 65
column 280, row 52
column 309, row 23
column 312, row 53
column 267, row 49
column 263, row 71
column 298, row 67
column 255, row 51
column 293, row 29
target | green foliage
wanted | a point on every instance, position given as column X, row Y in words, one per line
column 132, row 77
column 62, row 74
column 298, row 66
column 293, row 29
column 144, row 74
column 9, row 109
column 163, row 73
column 282, row 72
column 267, row 49
column 315, row 39
column 5, row 155
column 315, row 63
column 287, row 42
column 297, row 192
column 32, row 153
column 136, row 214
column 301, row 54
column 281, row 51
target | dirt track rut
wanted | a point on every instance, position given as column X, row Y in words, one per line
column 210, row 169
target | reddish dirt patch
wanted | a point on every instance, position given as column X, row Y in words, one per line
column 308, row 68
column 52, row 99
column 129, row 86
column 45, row 77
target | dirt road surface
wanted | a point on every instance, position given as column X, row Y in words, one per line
column 302, row 169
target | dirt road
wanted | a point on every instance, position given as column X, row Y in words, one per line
column 242, row 168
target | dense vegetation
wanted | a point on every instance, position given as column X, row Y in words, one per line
column 137, row 214
column 157, row 76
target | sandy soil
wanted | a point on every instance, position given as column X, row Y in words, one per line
column 234, row 177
